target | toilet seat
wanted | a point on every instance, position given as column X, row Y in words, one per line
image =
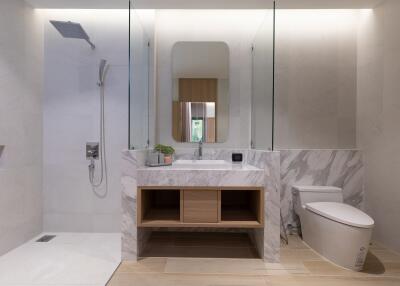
column 341, row 213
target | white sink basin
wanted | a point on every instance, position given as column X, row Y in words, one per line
column 201, row 164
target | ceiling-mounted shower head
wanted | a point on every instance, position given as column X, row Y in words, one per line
column 72, row 30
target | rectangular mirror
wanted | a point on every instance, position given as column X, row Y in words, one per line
column 200, row 107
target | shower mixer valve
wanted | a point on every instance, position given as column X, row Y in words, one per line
column 92, row 151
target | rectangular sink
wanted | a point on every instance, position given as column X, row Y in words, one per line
column 201, row 164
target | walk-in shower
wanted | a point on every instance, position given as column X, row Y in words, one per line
column 94, row 150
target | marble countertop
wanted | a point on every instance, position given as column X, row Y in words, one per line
column 231, row 175
column 232, row 167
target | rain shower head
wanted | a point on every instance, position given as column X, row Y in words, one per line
column 72, row 30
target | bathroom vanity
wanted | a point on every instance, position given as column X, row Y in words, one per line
column 202, row 195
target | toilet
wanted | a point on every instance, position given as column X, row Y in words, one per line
column 339, row 232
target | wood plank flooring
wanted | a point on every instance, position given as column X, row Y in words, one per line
column 186, row 263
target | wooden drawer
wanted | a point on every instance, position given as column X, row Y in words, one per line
column 200, row 206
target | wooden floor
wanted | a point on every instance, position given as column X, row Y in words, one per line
column 299, row 265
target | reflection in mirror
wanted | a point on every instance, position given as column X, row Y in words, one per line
column 197, row 122
column 200, row 105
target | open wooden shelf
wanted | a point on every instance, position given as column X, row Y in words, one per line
column 159, row 206
column 200, row 207
column 241, row 206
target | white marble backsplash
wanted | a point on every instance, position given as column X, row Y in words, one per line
column 340, row 168
column 205, row 178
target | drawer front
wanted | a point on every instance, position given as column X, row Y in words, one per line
column 200, row 206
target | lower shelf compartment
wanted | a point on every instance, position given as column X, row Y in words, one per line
column 199, row 245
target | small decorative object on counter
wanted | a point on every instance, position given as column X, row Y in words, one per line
column 167, row 151
column 237, row 160
column 237, row 157
column 153, row 158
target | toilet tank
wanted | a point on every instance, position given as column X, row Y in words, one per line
column 309, row 194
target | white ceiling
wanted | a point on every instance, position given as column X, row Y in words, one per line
column 203, row 4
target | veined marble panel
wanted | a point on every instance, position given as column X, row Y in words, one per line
column 200, row 178
column 131, row 160
column 340, row 168
column 272, row 206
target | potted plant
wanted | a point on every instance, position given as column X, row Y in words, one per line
column 168, row 151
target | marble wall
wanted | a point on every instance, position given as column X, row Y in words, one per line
column 130, row 234
column 270, row 237
column 340, row 168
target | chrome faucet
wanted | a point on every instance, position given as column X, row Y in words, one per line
column 199, row 153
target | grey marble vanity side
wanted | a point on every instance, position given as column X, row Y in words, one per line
column 270, row 162
column 340, row 168
column 131, row 236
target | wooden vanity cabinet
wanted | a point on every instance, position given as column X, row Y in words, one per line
column 200, row 207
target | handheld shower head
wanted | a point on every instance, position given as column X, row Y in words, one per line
column 102, row 71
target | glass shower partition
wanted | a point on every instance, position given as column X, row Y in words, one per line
column 262, row 110
column 139, row 46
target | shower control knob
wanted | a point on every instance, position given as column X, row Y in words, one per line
column 92, row 150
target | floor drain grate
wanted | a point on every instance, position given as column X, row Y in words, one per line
column 46, row 238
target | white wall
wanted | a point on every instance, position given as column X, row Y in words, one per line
column 71, row 118
column 378, row 117
column 316, row 79
column 20, row 123
column 237, row 29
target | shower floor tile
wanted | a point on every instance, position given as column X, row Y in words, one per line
column 68, row 259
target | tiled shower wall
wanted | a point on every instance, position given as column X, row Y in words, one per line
column 20, row 123
column 71, row 118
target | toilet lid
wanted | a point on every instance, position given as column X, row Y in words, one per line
column 342, row 213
